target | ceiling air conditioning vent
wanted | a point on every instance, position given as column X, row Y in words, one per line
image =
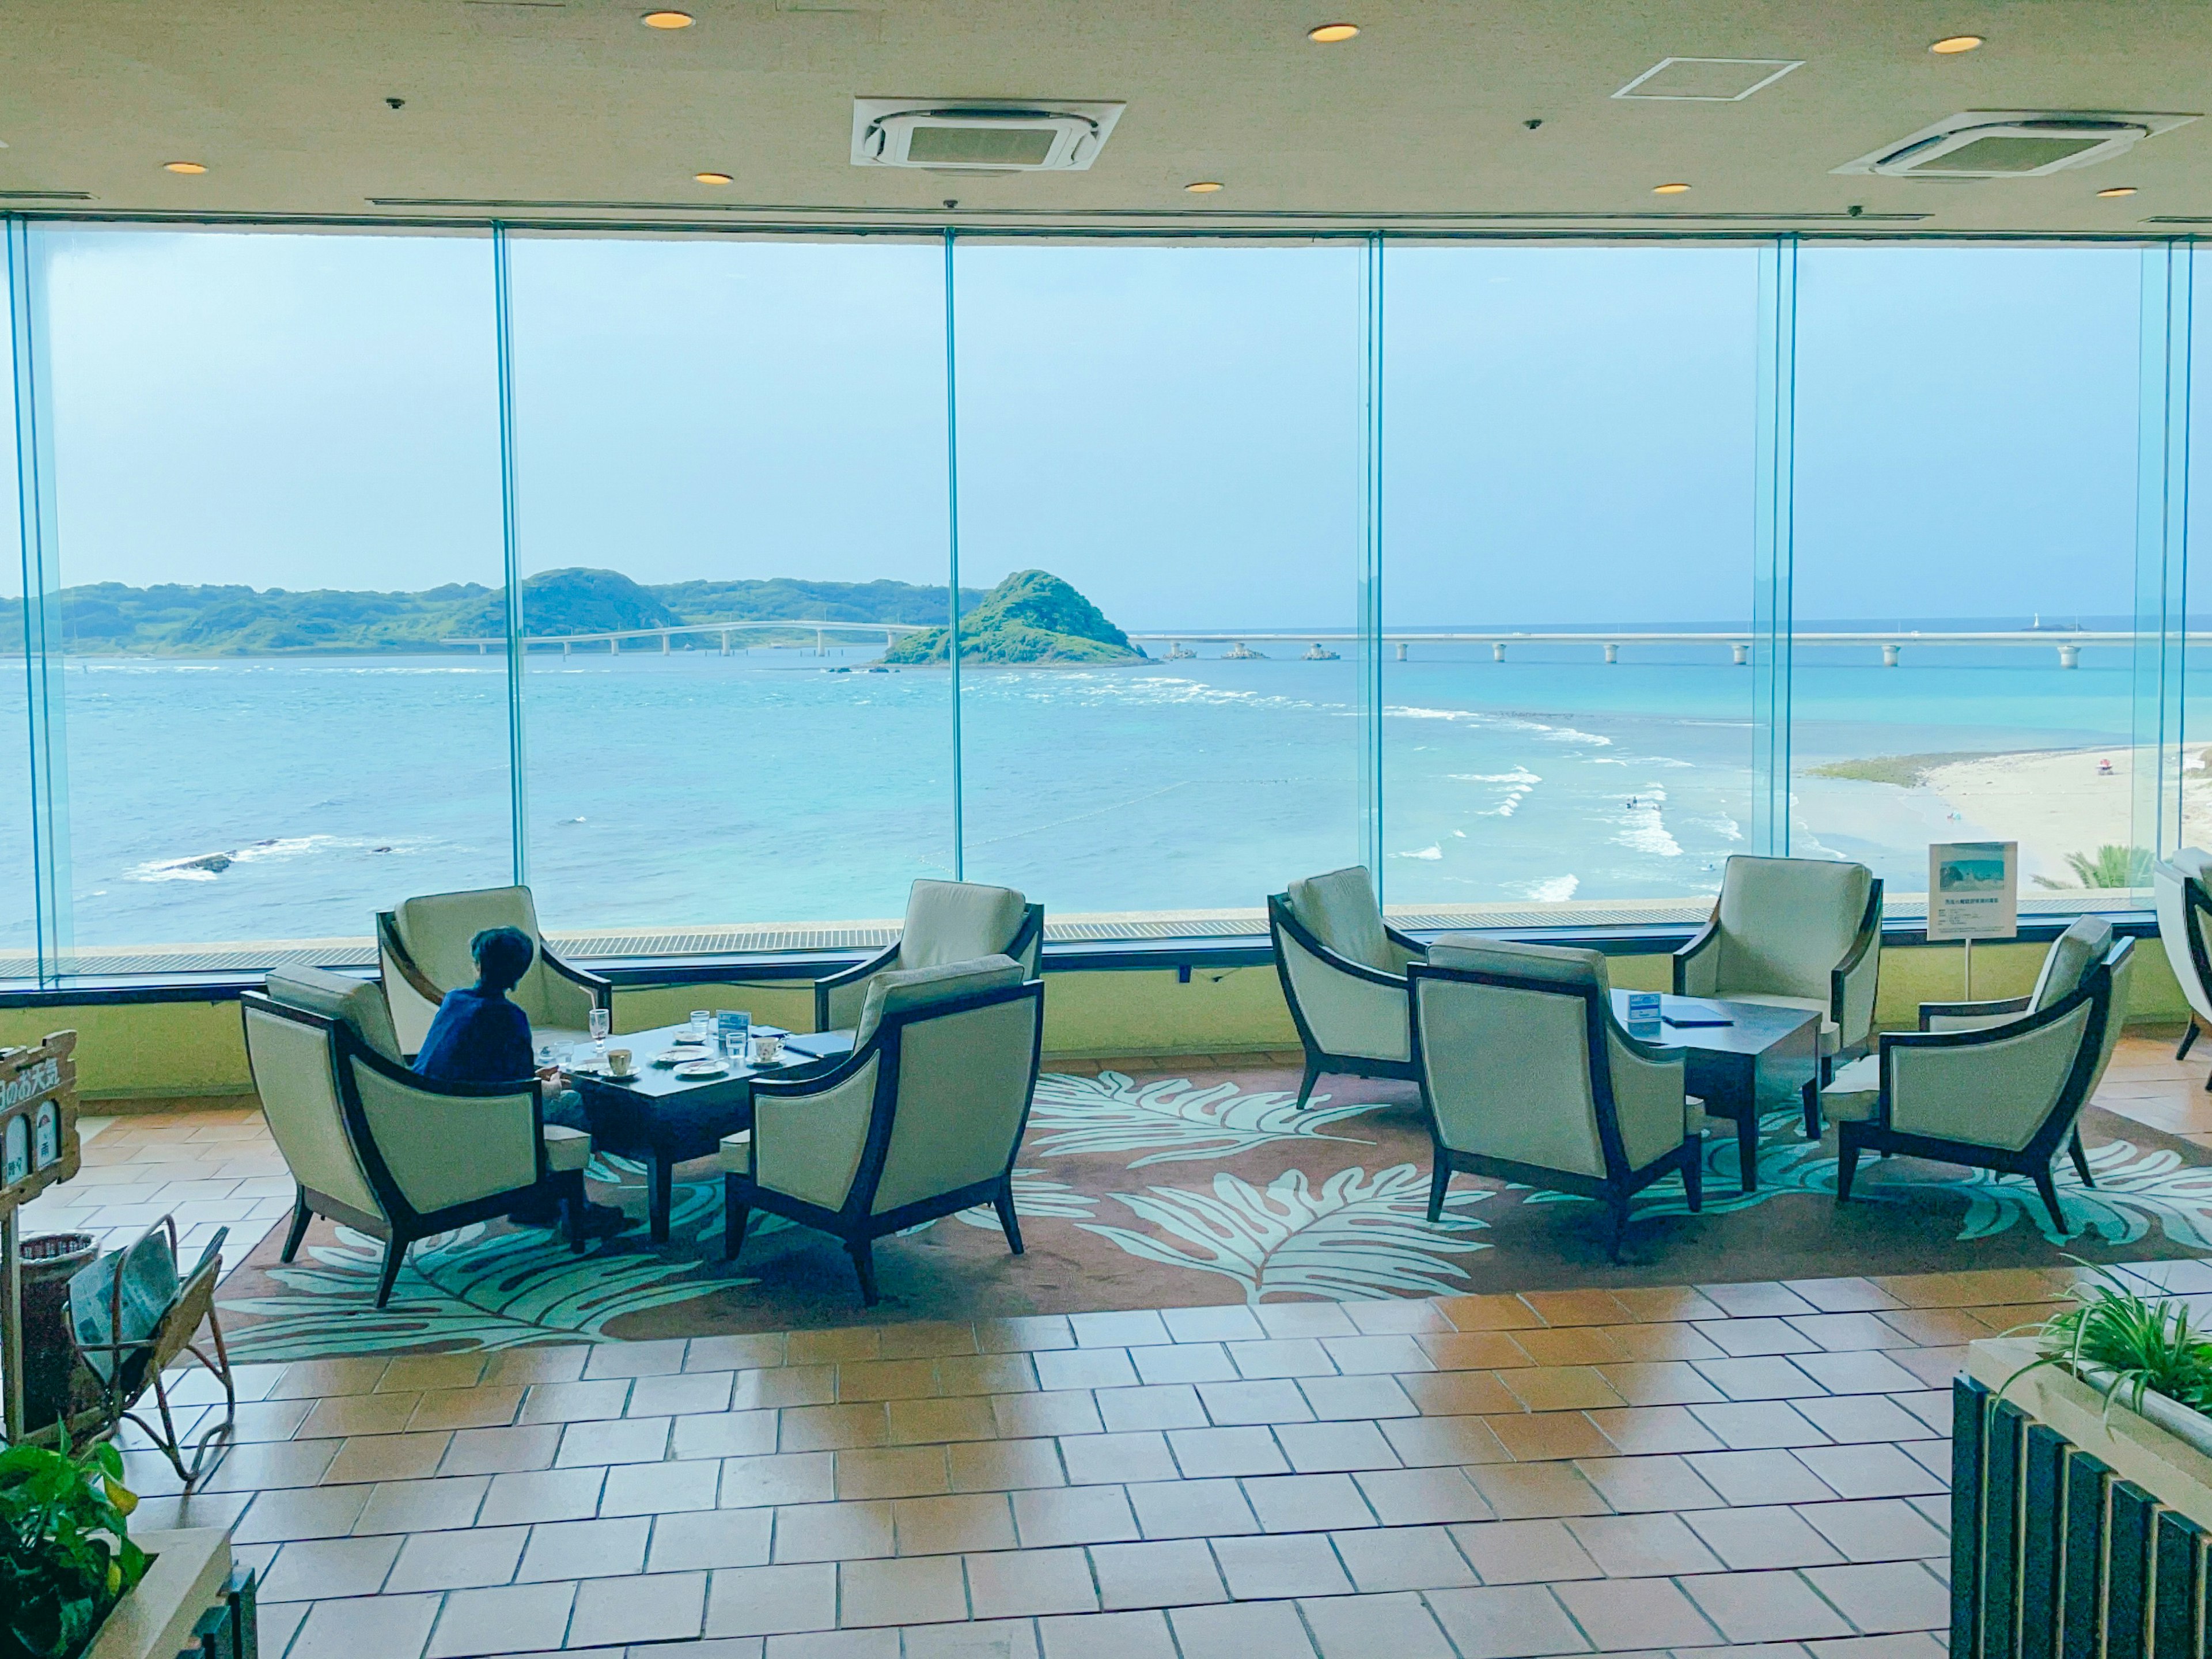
column 944, row 135
column 2011, row 143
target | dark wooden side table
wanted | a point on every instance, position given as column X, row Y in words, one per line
column 1763, row 1056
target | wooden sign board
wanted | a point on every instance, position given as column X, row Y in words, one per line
column 37, row 1119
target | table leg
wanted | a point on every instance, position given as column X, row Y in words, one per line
column 1746, row 1145
column 659, row 1170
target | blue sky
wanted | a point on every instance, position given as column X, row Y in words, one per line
column 1568, row 431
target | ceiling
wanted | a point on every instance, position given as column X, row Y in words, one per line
column 560, row 111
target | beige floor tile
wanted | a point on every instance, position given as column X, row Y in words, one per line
column 1085, row 1368
column 1387, row 1626
column 1514, row 1621
column 1557, row 1308
column 1426, row 1441
column 1572, row 1344
column 1276, row 1401
column 832, row 1428
column 1008, row 1465
column 886, row 1379
column 1006, row 1638
column 838, row 1645
column 1334, row 1447
column 575, row 1402
column 1641, row 1545
column 1184, row 1362
column 422, row 1371
column 1560, row 1387
column 1540, row 1437
column 357, row 1413
column 1013, row 1582
column 1758, row 1300
column 785, row 1478
column 1622, row 1614
column 523, row 1366
column 1031, row 1333
column 1648, row 1484
column 540, row 1495
column 928, row 1339
column 1023, row 1416
column 1375, row 1355
column 1402, row 1559
column 265, row 1468
column 892, row 1471
column 323, row 1568
column 765, row 1601
column 1760, row 1425
column 1882, row 1529
column 660, row 1488
column 788, row 1385
column 1868, row 1471
column 1072, row 1514
column 832, row 1347
column 368, row 1627
column 423, row 1505
column 631, row 1440
column 585, row 1549
column 832, row 1532
column 466, row 1408
column 1221, row 1324
column 1759, row 1477
column 509, row 1620
column 1459, row 1393
column 1860, row 1418
column 1094, row 1460
column 714, row 1537
column 1351, row 1399
column 501, row 1451
column 1191, row 1509
column 1659, row 1382
column 723, row 1434
column 661, row 1607
column 460, row 1561
column 635, row 1358
column 681, row 1393
column 1267, row 1568
column 1746, row 1540
column 1271, row 1628
column 1118, row 1330
column 1307, row 1502
column 920, row 1590
column 953, row 1526
column 1523, row 1552
column 1203, row 1454
column 1763, row 1607
column 986, row 1374
column 1404, row 1498
column 935, row 1422
column 1472, row 1351
column 386, row 1457
column 1155, row 1575
column 734, row 1353
column 282, row 1515
column 1166, row 1405
column 320, row 1379
column 1107, row 1635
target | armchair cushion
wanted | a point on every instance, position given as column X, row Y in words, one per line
column 1854, row 1094
column 1786, row 924
column 358, row 1004
column 2072, row 955
column 903, row 990
column 566, row 1149
column 1557, row 964
column 1340, row 910
column 436, row 928
column 958, row 921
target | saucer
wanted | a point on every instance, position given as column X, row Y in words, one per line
column 702, row 1068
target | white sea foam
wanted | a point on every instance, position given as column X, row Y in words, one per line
column 1436, row 851
column 1643, row 827
column 1518, row 774
column 209, row 866
column 1724, row 826
column 1552, row 889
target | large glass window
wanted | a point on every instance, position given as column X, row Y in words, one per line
column 1967, row 432
column 1567, row 576
column 276, row 494
column 731, row 467
column 1160, row 453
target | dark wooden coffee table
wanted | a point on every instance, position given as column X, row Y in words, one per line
column 1762, row 1057
column 665, row 1119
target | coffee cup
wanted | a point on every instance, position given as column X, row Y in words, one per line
column 767, row 1050
column 618, row 1062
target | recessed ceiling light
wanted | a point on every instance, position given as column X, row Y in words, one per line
column 1951, row 45
column 1669, row 190
column 668, row 19
column 183, row 167
column 1329, row 33
column 711, row 178
column 1203, row 186
column 2117, row 189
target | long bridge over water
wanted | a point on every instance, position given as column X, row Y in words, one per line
column 1892, row 644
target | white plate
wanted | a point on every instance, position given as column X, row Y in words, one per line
column 702, row 1068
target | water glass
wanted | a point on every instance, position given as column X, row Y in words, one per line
column 702, row 1022
column 737, row 1030
column 603, row 1022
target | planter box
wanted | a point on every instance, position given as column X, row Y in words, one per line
column 188, row 1589
column 2076, row 1531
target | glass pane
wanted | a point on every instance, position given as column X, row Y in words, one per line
column 18, row 900
column 731, row 465
column 1160, row 453
column 277, row 496
column 1567, row 578
column 1965, row 562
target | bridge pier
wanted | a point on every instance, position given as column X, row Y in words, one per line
column 820, row 648
column 1889, row 655
column 664, row 645
column 725, row 641
column 1497, row 650
column 1611, row 652
column 1741, row 654
column 1401, row 651
column 2069, row 656
column 564, row 651
column 614, row 646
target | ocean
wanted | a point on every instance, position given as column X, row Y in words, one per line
column 247, row 799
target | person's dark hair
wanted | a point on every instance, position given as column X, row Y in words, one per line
column 502, row 956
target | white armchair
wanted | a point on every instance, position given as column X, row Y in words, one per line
column 1343, row 969
column 1526, row 1076
column 947, row 921
column 1996, row 1085
column 372, row 1144
column 922, row 1119
column 422, row 949
column 2185, row 915
column 1794, row 934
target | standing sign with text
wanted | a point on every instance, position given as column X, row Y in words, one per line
column 1974, row 889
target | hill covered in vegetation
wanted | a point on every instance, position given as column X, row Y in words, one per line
column 1031, row 616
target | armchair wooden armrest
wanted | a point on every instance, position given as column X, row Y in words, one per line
column 829, row 1005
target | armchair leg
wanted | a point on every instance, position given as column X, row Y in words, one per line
column 863, row 1267
column 2048, row 1189
column 1618, row 1226
column 1847, row 1164
column 1439, row 1184
column 735, row 1215
column 1007, row 1220
column 1693, row 1173
column 2081, row 1158
column 2188, row 1042
column 1812, row 1109
column 574, row 1207
column 301, row 1217
column 1312, row 1077
column 395, row 1254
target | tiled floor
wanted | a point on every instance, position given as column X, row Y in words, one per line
column 1474, row 1478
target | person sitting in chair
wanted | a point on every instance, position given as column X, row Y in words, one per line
column 479, row 1037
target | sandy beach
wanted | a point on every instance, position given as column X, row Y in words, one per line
column 2053, row 803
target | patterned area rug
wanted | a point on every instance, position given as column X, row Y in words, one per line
column 1169, row 1191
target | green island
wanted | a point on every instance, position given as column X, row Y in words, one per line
column 1031, row 616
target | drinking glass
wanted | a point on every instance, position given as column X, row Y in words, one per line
column 737, row 1030
column 702, row 1021
column 603, row 1021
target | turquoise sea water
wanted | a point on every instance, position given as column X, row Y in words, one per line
column 691, row 789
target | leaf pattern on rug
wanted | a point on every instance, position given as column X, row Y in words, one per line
column 1036, row 1193
column 1170, row 1120
column 1356, row 1236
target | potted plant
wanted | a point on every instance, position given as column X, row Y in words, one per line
column 66, row 1558
column 2136, row 1352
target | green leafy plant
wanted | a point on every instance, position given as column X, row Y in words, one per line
column 2127, row 1346
column 2110, row 865
column 65, row 1551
